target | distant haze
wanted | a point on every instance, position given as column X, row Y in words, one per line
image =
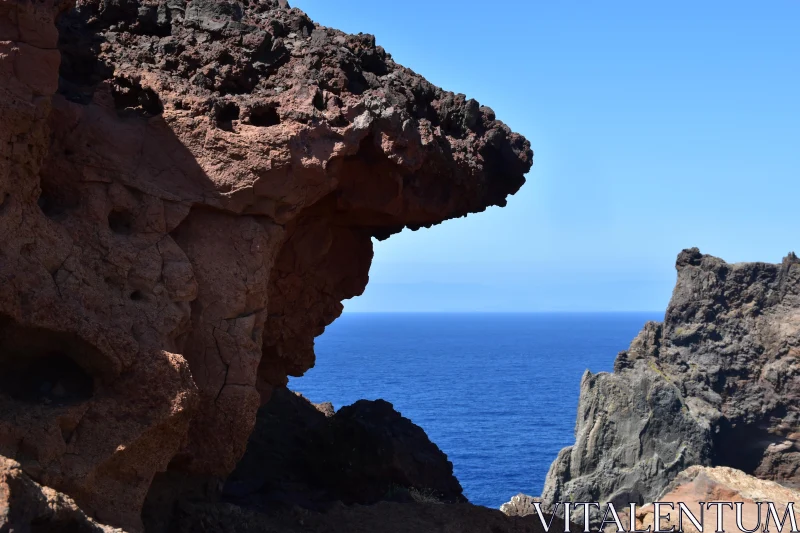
column 656, row 126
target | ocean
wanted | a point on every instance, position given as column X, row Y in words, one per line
column 498, row 393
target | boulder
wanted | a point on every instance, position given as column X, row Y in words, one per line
column 699, row 484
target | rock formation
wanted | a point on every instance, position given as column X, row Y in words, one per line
column 302, row 455
column 367, row 450
column 717, row 384
column 520, row 505
column 188, row 189
column 359, row 455
column 719, row 484
column 27, row 506
column 383, row 517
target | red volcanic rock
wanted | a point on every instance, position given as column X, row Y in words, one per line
column 697, row 485
column 187, row 192
column 27, row 506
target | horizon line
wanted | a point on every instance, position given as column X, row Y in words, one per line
column 496, row 312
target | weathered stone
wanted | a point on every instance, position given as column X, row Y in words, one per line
column 364, row 453
column 717, row 384
column 520, row 505
column 185, row 199
column 698, row 485
column 27, row 506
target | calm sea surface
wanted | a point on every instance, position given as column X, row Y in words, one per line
column 497, row 392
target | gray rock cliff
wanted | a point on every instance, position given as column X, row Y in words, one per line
column 717, row 384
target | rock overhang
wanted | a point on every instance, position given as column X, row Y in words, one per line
column 189, row 191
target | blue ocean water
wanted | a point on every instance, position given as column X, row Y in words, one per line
column 498, row 393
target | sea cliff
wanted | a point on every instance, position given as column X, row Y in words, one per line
column 715, row 384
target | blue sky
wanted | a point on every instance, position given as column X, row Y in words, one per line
column 656, row 126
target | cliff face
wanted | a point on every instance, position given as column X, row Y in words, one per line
column 717, row 383
column 187, row 192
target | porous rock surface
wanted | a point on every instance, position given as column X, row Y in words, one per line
column 27, row 506
column 698, row 484
column 188, row 189
column 716, row 384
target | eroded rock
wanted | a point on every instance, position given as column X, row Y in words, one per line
column 362, row 454
column 27, row 506
column 715, row 384
column 187, row 192
column 698, row 485
column 520, row 505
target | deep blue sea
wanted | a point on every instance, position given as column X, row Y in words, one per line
column 497, row 393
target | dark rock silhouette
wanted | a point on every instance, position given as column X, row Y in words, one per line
column 364, row 453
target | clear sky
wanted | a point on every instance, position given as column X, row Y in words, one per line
column 656, row 126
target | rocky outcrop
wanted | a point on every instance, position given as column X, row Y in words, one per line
column 383, row 517
column 188, row 189
column 699, row 484
column 27, row 506
column 368, row 450
column 304, row 465
column 715, row 384
column 520, row 505
column 362, row 454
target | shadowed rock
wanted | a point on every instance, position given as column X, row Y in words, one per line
column 27, row 506
column 364, row 453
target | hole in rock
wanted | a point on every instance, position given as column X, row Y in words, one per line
column 120, row 221
column 319, row 101
column 45, row 367
column 226, row 113
column 80, row 70
column 752, row 441
column 264, row 117
column 137, row 296
column 131, row 98
column 56, row 199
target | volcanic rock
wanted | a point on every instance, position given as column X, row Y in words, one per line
column 364, row 453
column 188, row 189
column 520, row 505
column 699, row 484
column 716, row 384
column 368, row 449
column 382, row 517
column 27, row 506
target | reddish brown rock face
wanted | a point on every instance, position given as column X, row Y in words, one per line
column 188, row 190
